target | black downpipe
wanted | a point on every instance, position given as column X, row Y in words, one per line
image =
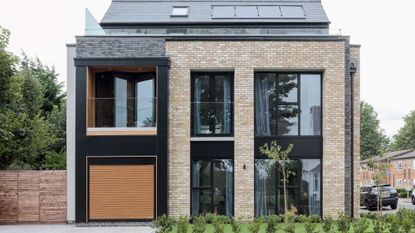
column 353, row 70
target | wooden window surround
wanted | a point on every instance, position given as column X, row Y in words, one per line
column 92, row 130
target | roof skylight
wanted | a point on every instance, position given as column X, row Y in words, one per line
column 180, row 11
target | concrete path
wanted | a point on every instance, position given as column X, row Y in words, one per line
column 71, row 228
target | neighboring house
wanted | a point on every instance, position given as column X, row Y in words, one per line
column 170, row 101
column 401, row 172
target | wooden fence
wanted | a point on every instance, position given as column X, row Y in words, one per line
column 32, row 197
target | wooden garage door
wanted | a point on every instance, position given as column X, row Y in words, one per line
column 121, row 192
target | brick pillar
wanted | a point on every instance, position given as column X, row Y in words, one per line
column 244, row 143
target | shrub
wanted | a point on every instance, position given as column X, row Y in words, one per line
column 369, row 215
column 163, row 224
column 255, row 225
column 310, row 226
column 273, row 226
column 236, row 227
column 218, row 226
column 361, row 225
column 379, row 225
column 209, row 218
column 394, row 224
column 343, row 223
column 403, row 195
column 199, row 224
column 183, row 224
column 289, row 224
column 328, row 223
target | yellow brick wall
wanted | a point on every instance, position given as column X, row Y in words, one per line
column 244, row 57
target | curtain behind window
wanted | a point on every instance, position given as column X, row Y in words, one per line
column 261, row 107
column 198, row 88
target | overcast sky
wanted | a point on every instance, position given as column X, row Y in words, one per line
column 385, row 29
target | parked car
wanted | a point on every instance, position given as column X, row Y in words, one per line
column 369, row 196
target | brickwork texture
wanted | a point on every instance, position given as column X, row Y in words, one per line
column 244, row 58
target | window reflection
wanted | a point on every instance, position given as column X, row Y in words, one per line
column 303, row 188
column 212, row 104
column 282, row 105
column 214, row 192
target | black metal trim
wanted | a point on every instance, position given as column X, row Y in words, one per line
column 219, row 24
column 298, row 197
column 211, row 75
column 211, row 187
column 298, row 103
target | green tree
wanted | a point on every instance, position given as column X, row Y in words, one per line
column 405, row 138
column 7, row 68
column 275, row 152
column 48, row 78
column 373, row 140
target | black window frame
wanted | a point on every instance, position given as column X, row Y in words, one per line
column 113, row 76
column 278, row 186
column 211, row 187
column 211, row 100
column 297, row 103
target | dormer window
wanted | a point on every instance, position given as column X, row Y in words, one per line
column 180, row 11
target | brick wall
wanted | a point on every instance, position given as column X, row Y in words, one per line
column 244, row 57
column 32, row 197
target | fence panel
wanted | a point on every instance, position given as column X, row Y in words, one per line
column 32, row 197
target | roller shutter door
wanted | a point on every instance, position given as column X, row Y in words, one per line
column 121, row 192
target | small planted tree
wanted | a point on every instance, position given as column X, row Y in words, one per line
column 275, row 152
column 379, row 169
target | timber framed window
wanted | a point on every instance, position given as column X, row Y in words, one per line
column 122, row 100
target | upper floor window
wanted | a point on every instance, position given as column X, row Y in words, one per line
column 287, row 104
column 212, row 108
column 121, row 100
column 399, row 165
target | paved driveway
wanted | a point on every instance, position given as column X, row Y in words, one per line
column 71, row 228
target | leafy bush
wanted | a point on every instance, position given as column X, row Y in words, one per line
column 310, row 225
column 183, row 224
column 360, row 225
column 236, row 227
column 379, row 225
column 328, row 223
column 218, row 223
column 343, row 223
column 394, row 223
column 255, row 225
column 403, row 195
column 290, row 223
column 199, row 224
column 273, row 226
column 163, row 224
column 369, row 215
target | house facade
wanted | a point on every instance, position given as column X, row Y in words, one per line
column 169, row 103
column 401, row 171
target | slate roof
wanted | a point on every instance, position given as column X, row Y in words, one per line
column 394, row 155
column 200, row 12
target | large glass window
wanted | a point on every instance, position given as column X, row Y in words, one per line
column 124, row 100
column 212, row 106
column 303, row 188
column 212, row 187
column 287, row 104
